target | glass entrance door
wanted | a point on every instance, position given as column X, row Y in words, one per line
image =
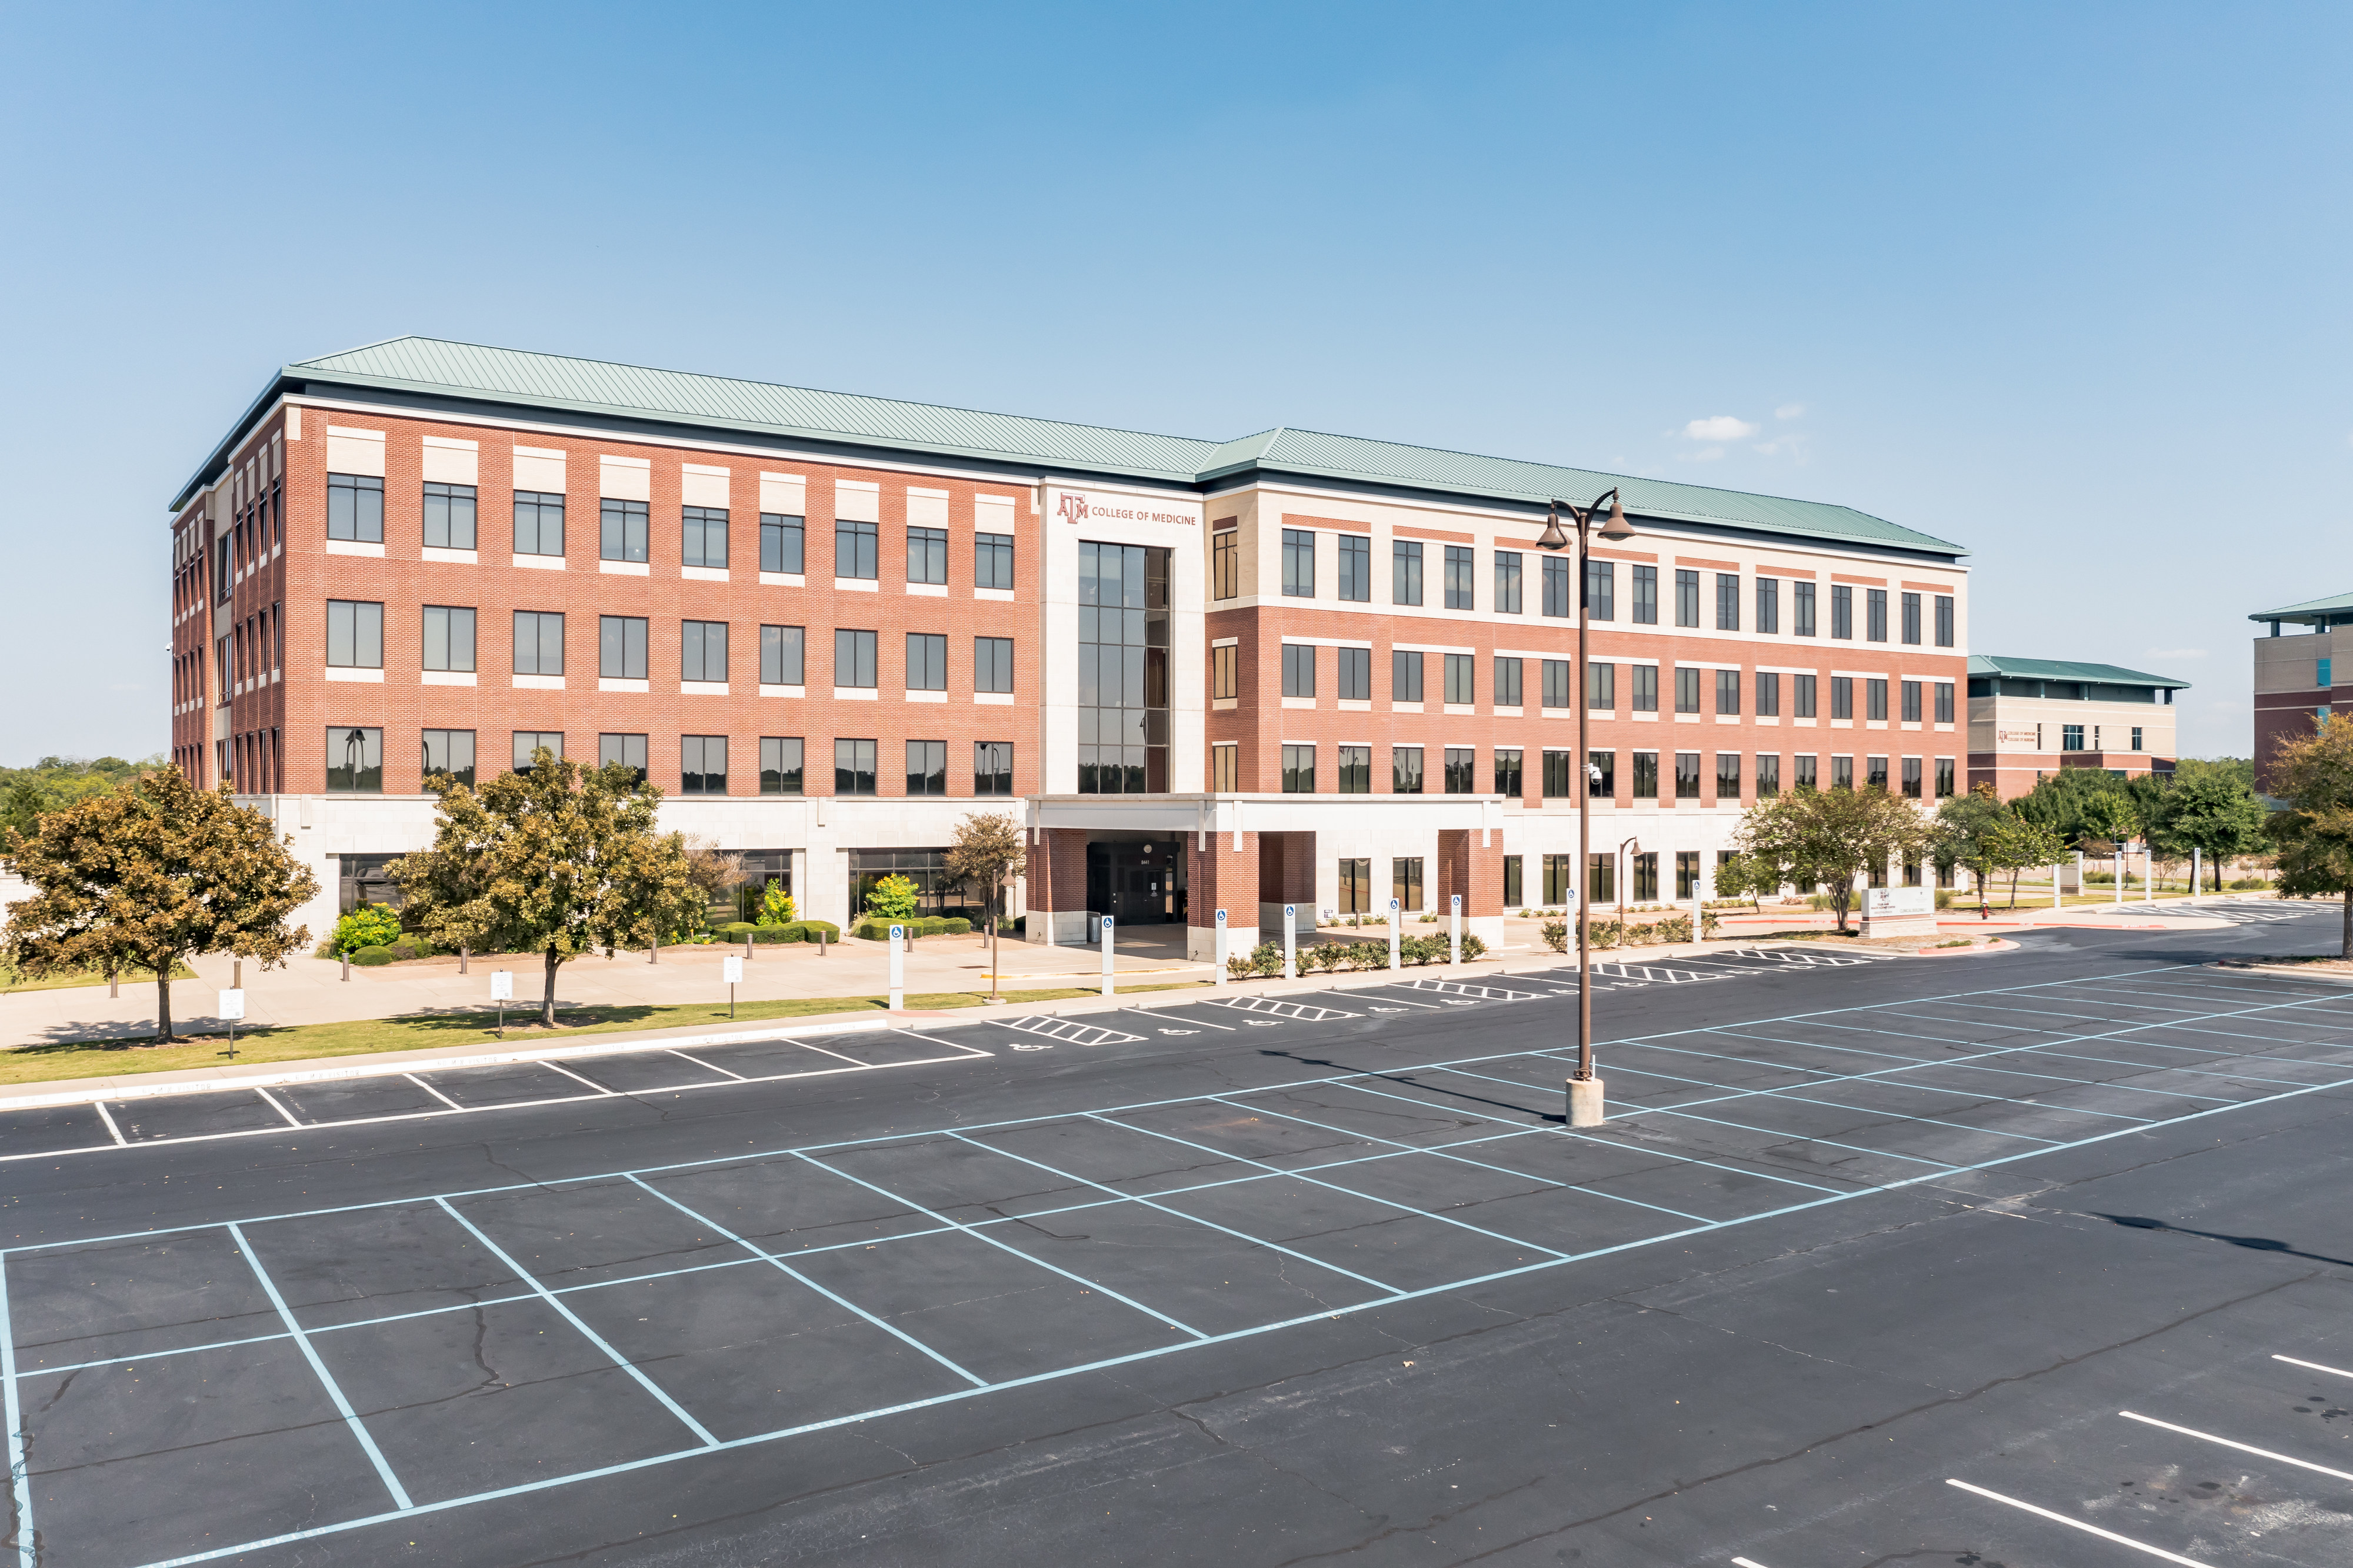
column 1137, row 883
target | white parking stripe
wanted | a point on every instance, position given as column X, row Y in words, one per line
column 292, row 1119
column 433, row 1091
column 575, row 1078
column 2079, row 1524
column 2231, row 1442
column 111, row 1127
column 2333, row 1372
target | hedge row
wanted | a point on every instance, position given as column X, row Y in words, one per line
column 930, row 925
column 795, row 930
column 1317, row 957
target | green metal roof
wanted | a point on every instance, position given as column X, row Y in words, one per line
column 2067, row 669
column 433, row 367
column 2311, row 609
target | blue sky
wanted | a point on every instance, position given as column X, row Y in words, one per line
column 2066, row 285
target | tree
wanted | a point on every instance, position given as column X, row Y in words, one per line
column 149, row 875
column 988, row 850
column 2111, row 819
column 1747, row 877
column 2210, row 808
column 2313, row 773
column 1830, row 836
column 2025, row 843
column 552, row 861
column 1971, row 830
column 2059, row 801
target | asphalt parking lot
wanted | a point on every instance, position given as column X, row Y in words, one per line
column 1991, row 1259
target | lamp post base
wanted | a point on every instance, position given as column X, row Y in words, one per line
column 1585, row 1103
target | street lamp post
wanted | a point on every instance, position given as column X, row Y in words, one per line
column 1584, row 1089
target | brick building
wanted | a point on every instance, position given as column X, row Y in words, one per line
column 1291, row 669
column 2295, row 682
column 2029, row 716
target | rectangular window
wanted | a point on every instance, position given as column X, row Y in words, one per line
column 621, row 529
column 1876, row 612
column 449, row 752
column 1646, row 596
column 355, row 635
column 1404, row 676
column 1557, row 682
column 1559, row 878
column 1727, row 691
column 1355, row 674
column 1841, row 697
column 1600, row 588
column 854, row 659
column 1461, row 770
column 538, row 642
column 1405, row 882
column 1601, row 686
column 538, row 523
column 1644, row 698
column 355, row 508
column 927, row 767
column 781, row 656
column 927, row 662
column 2071, row 736
column 1875, row 698
column 1686, row 689
column 1646, row 877
column 1356, row 764
column 1727, row 778
column 1802, row 776
column 780, row 765
column 1507, row 775
column 1356, row 886
column 1686, row 598
column 853, row 767
column 2135, row 738
column 1769, row 694
column 1801, row 691
column 1910, row 694
column 1299, row 563
column 1507, row 682
column 992, row 561
column 1768, row 776
column 1223, row 680
column 1559, row 774
column 1944, row 778
column 702, row 650
column 1356, row 567
column 1727, row 600
column 1945, row 703
column 448, row 517
column 784, row 541
column 1912, row 618
column 1686, row 873
column 1842, row 611
column 1801, row 608
column 702, row 534
column 1601, row 775
column 1298, row 670
column 1405, row 770
column 621, row 647
column 1507, row 581
column 355, row 759
column 628, row 751
column 992, row 767
column 1556, row 587
column 857, row 552
column 1299, row 770
column 529, row 744
column 1405, row 572
column 1842, row 772
column 1225, row 564
column 1875, row 772
column 1646, row 775
column 927, row 555
column 703, row 764
column 1911, row 777
column 1460, row 588
column 1686, row 776
column 1768, row 604
column 1461, row 679
column 1513, row 883
column 1944, row 620
column 448, row 638
column 1225, row 767
column 992, row 664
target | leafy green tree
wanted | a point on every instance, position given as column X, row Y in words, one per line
column 1830, row 836
column 893, row 898
column 2025, row 843
column 1970, row 831
column 1747, row 877
column 558, row 860
column 2110, row 821
column 2212, row 809
column 2313, row 774
column 2059, row 801
column 988, row 850
column 147, row 875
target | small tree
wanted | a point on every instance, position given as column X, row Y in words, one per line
column 1971, row 830
column 152, row 874
column 2210, row 808
column 1747, row 877
column 988, row 850
column 1830, row 835
column 544, row 861
column 2313, row 774
column 2111, row 819
column 2023, row 844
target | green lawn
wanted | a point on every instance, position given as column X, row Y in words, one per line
column 11, row 979
column 305, row 1042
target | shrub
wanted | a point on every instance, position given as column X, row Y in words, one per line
column 372, row 956
column 956, row 926
column 893, row 898
column 1556, row 935
column 1369, row 955
column 369, row 925
column 1266, row 958
column 404, row 951
column 1674, row 928
column 1422, row 949
column 808, row 929
column 775, row 906
column 734, row 930
column 2248, row 884
column 1473, row 947
column 325, row 949
column 1944, row 898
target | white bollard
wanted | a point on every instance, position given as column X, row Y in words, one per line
column 1220, row 977
column 2196, row 870
column 1454, row 937
column 1291, row 941
column 1104, row 933
column 898, row 968
column 2058, row 889
column 1395, row 914
column 2148, row 873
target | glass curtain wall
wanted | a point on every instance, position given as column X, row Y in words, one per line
column 1124, row 638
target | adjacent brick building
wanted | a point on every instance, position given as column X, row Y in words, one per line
column 1296, row 669
column 2295, row 682
column 2029, row 716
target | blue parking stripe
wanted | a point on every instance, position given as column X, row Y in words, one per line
column 20, row 1486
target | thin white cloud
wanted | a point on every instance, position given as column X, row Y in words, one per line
column 1789, row 411
column 1721, row 427
column 2175, row 653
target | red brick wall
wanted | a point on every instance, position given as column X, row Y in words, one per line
column 1464, row 867
column 1222, row 876
column 1058, row 870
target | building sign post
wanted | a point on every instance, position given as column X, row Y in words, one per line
column 503, row 993
column 1396, row 913
column 898, row 968
column 1107, row 983
column 1220, row 979
column 1454, row 936
column 232, row 1008
column 1291, row 941
column 731, row 969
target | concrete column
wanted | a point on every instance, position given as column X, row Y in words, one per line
column 1219, row 876
column 1057, row 889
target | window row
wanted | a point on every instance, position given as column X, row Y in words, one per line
column 355, row 762
column 355, row 639
column 1458, row 766
column 1642, row 876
